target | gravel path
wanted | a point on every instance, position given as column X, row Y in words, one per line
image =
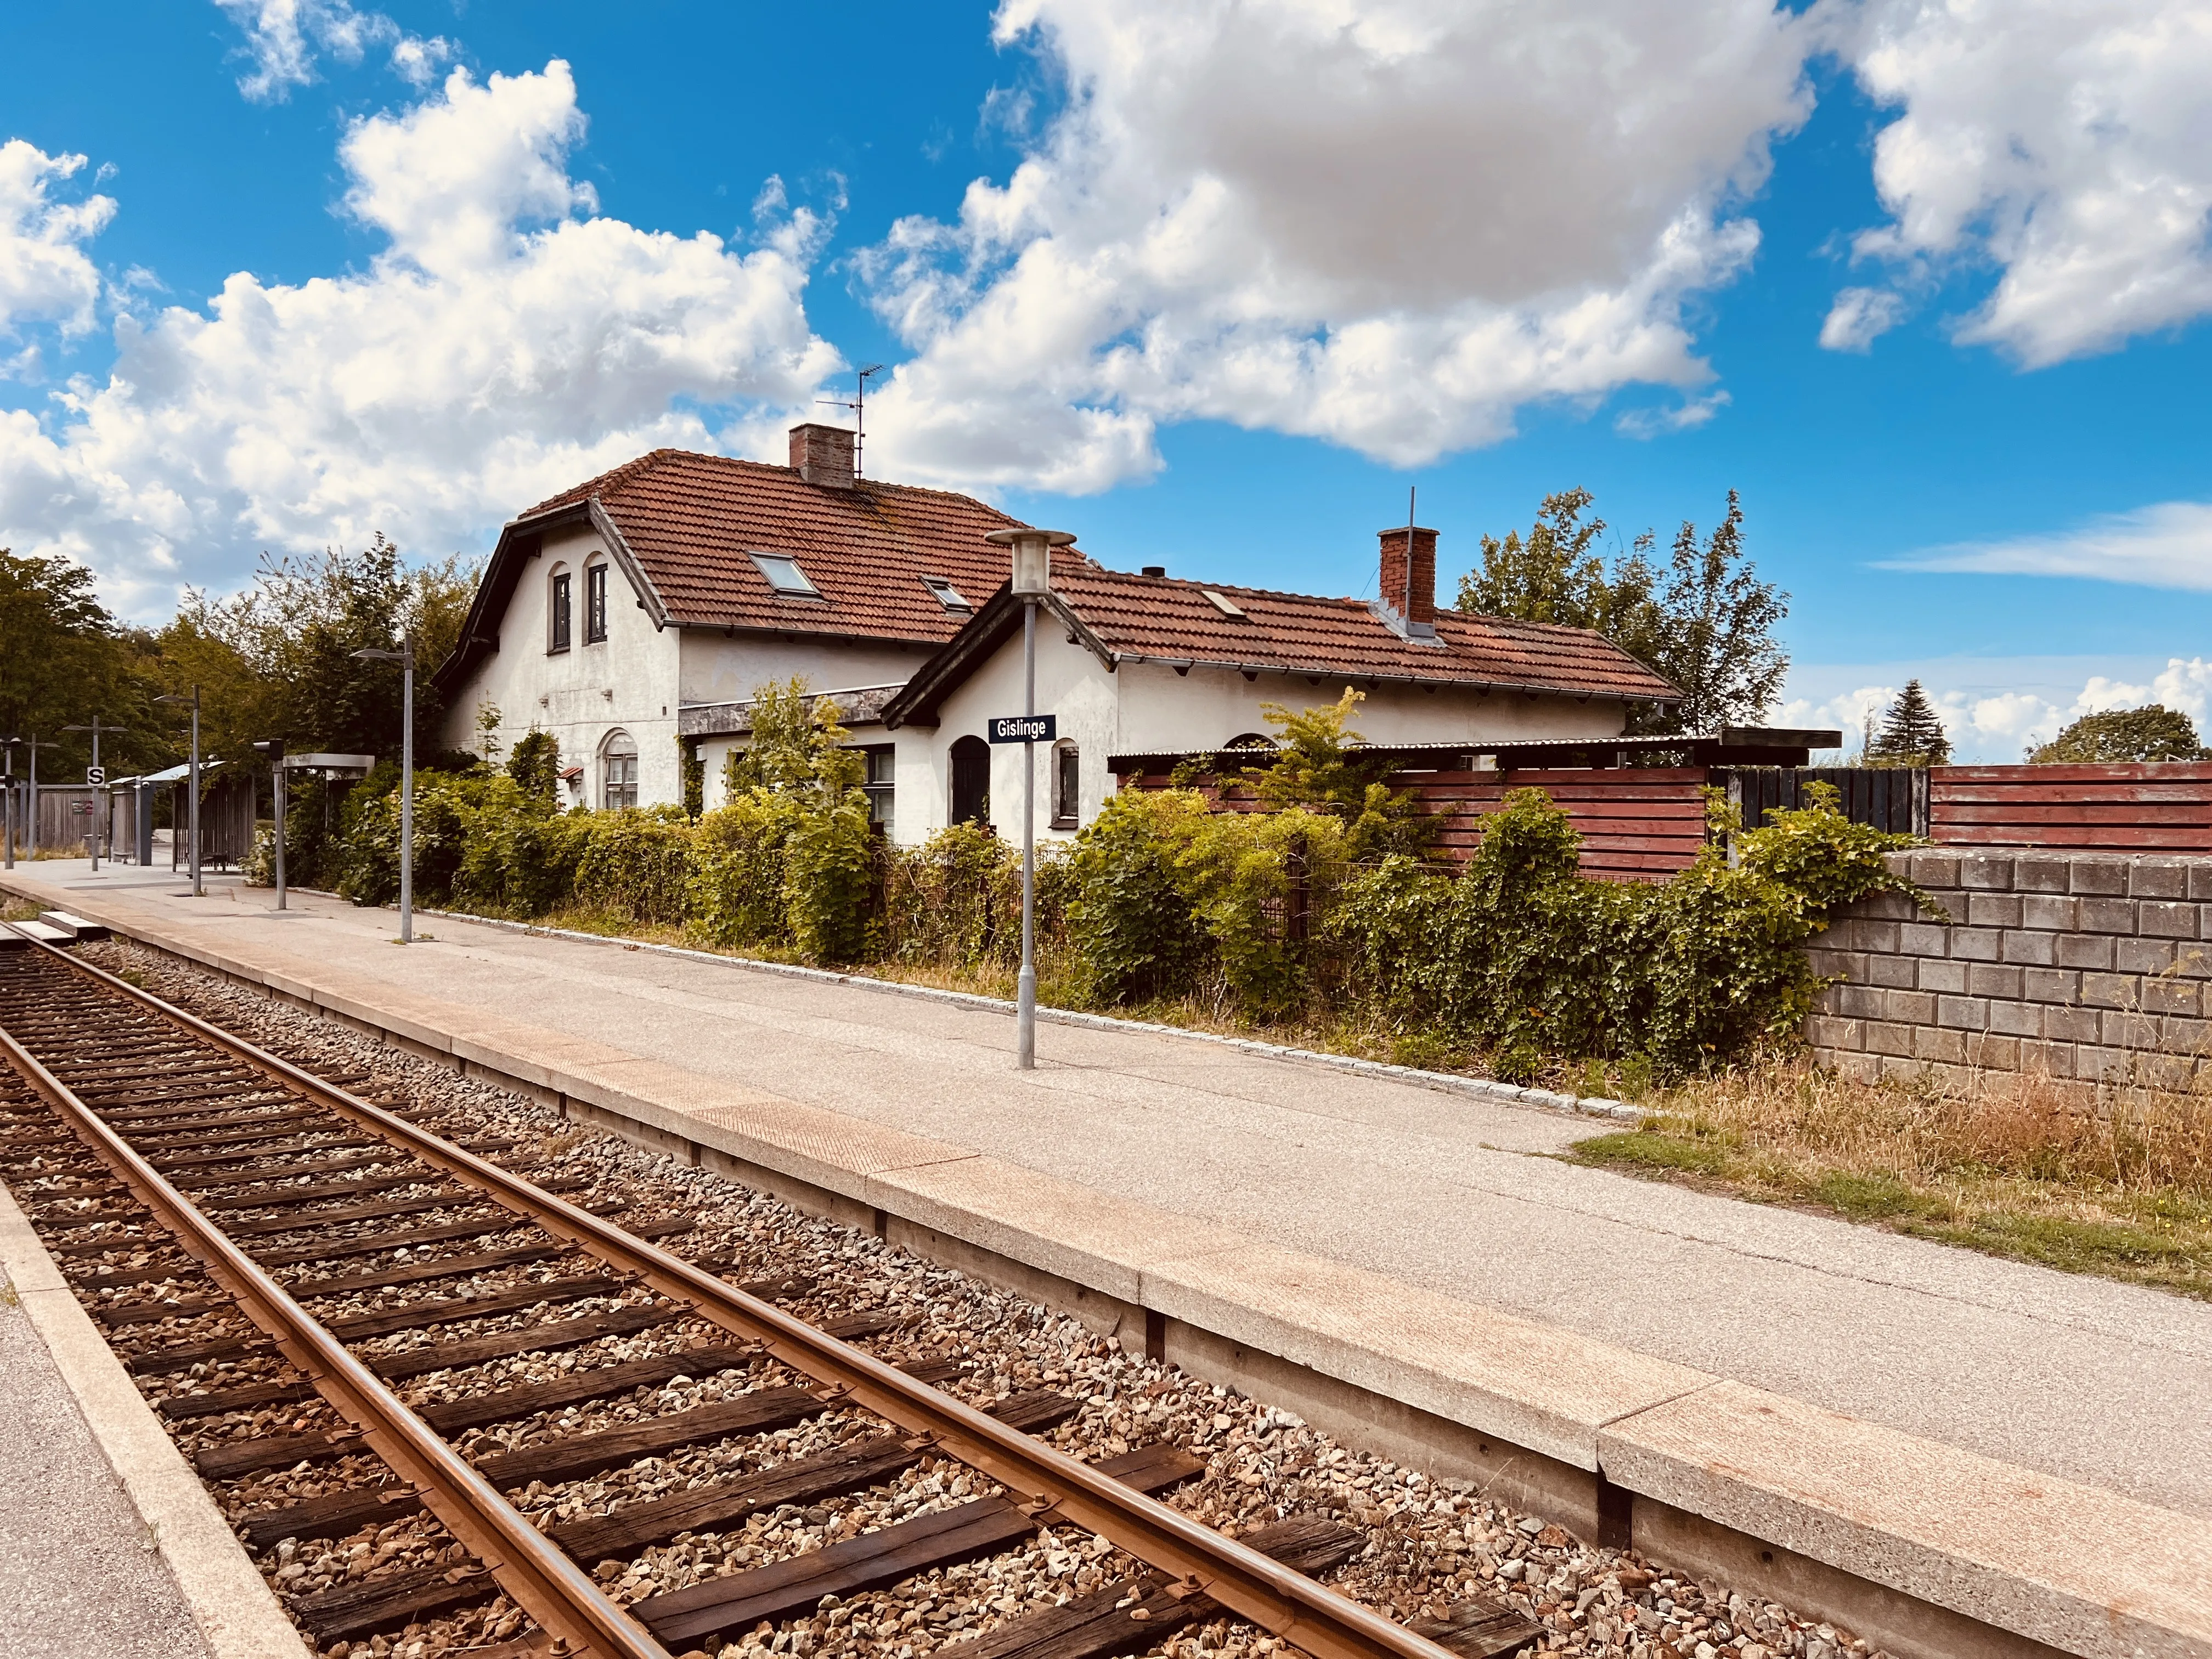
column 1429, row 1543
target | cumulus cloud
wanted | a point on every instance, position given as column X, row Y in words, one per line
column 283, row 39
column 45, row 275
column 1859, row 317
column 503, row 344
column 1387, row 226
column 2168, row 545
column 2067, row 142
column 1987, row 719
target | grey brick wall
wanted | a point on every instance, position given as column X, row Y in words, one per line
column 2084, row 968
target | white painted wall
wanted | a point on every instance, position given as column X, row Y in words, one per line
column 719, row 667
column 629, row 681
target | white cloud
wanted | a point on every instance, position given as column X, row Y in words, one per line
column 1387, row 225
column 501, row 347
column 284, row 37
column 45, row 275
column 1859, row 317
column 2068, row 142
column 1684, row 416
column 2168, row 545
column 1993, row 709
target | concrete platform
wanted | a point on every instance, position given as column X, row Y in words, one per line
column 1953, row 1454
column 108, row 1543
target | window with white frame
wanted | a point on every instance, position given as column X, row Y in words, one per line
column 784, row 577
column 876, row 781
column 595, row 604
column 618, row 771
column 557, row 611
column 1066, row 787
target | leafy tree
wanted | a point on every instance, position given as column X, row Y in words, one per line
column 535, row 766
column 1318, row 765
column 1702, row 619
column 797, row 744
column 64, row 659
column 1911, row 733
column 2153, row 733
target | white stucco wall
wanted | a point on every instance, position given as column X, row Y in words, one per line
column 725, row 668
column 627, row 682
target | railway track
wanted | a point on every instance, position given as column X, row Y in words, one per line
column 321, row 1252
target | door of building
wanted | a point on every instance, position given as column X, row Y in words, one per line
column 971, row 781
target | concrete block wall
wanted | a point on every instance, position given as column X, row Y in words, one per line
column 2089, row 968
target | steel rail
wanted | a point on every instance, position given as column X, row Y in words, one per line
column 522, row 1561
column 1287, row 1604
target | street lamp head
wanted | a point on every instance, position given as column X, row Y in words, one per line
column 1032, row 548
column 374, row 655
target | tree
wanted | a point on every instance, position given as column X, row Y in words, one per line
column 1703, row 620
column 64, row 659
column 2153, row 733
column 1911, row 734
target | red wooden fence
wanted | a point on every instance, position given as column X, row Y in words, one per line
column 1636, row 825
column 2159, row 807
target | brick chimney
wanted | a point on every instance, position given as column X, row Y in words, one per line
column 823, row 455
column 1411, row 594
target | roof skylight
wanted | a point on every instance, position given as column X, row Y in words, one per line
column 784, row 576
column 1222, row 603
column 947, row 595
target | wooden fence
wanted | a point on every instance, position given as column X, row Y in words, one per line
column 1644, row 824
column 1636, row 825
column 2163, row 807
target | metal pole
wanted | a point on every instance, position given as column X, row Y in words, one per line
column 280, row 832
column 10, row 788
column 31, row 834
column 1025, row 1005
column 95, row 767
column 407, row 793
column 196, row 890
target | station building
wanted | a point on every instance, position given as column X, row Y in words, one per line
column 633, row 616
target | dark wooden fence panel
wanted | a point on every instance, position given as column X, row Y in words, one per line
column 1892, row 798
column 2161, row 806
column 1636, row 825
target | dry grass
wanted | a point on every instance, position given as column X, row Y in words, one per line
column 2006, row 1166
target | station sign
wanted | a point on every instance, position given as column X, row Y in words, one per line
column 1024, row 728
column 94, row 776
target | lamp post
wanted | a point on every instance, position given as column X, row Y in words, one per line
column 194, row 699
column 274, row 749
column 31, row 828
column 95, row 779
column 8, row 788
column 406, row 658
column 1031, row 582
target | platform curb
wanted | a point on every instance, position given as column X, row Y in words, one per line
column 237, row 1613
column 1942, row 1577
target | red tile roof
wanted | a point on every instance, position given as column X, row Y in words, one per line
column 691, row 520
column 1168, row 620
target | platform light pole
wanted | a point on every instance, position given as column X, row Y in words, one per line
column 406, row 658
column 1031, row 583
column 194, row 786
column 31, row 826
column 274, row 749
column 8, row 786
column 96, row 779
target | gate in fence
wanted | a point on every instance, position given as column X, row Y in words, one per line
column 1892, row 798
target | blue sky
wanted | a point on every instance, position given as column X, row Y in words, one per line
column 1203, row 309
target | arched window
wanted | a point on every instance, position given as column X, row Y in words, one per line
column 971, row 781
column 618, row 771
column 595, row 603
column 1249, row 740
column 557, row 610
column 1066, row 787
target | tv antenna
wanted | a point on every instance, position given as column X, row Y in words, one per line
column 859, row 405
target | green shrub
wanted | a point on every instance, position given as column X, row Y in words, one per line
column 637, row 864
column 737, row 881
column 829, row 876
column 535, row 766
column 1128, row 917
column 955, row 900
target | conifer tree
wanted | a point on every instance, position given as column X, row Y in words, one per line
column 1911, row 734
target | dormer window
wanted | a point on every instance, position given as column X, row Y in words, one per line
column 784, row 577
column 947, row 595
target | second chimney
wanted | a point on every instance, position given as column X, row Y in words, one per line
column 823, row 455
column 1409, row 586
